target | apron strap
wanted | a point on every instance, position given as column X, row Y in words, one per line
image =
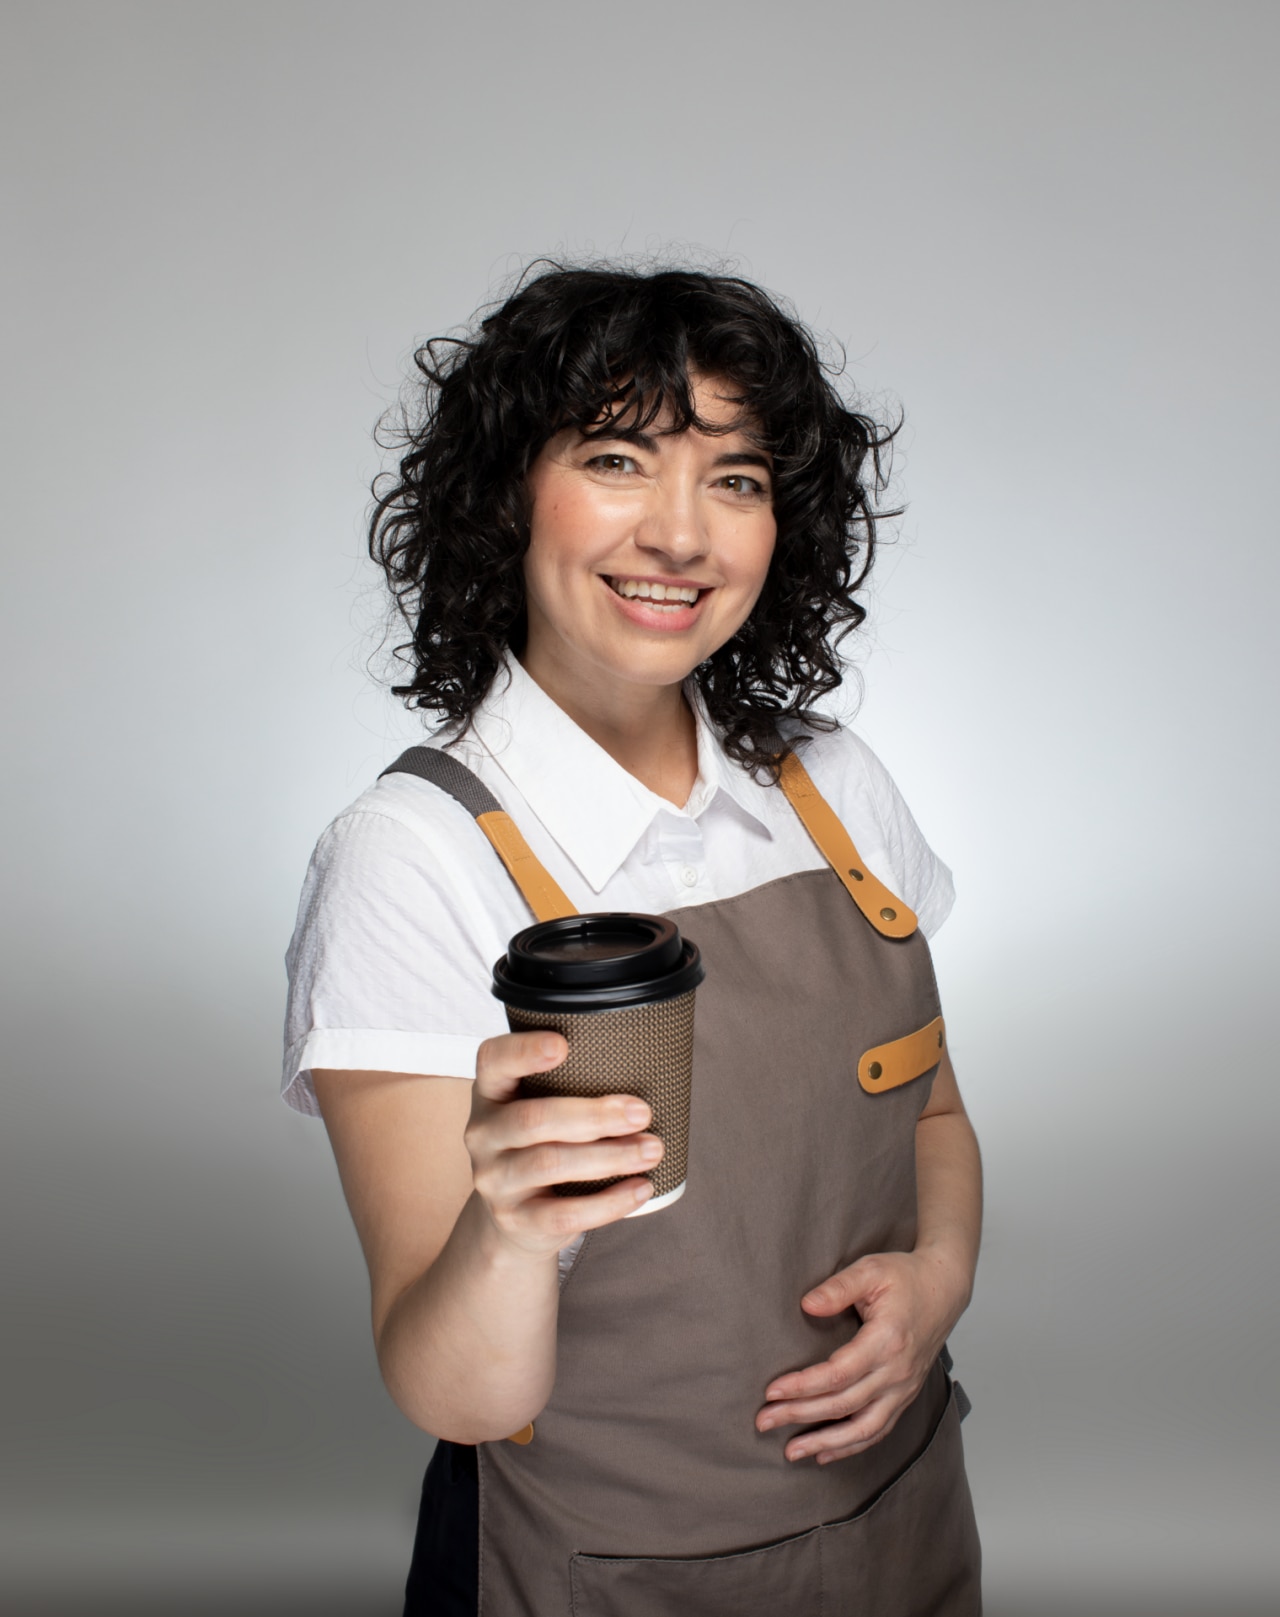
column 889, row 915
column 543, row 896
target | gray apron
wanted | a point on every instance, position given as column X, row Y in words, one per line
column 645, row 1490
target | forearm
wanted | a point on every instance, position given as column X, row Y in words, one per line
column 468, row 1351
column 949, row 1203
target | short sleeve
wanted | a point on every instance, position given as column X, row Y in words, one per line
column 390, row 959
column 872, row 809
column 922, row 878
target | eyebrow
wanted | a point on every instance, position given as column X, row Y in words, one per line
column 745, row 457
column 643, row 440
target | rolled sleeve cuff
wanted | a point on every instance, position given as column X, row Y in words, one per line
column 351, row 1049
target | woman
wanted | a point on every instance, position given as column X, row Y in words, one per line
column 626, row 532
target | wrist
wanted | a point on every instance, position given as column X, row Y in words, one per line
column 950, row 1266
column 496, row 1251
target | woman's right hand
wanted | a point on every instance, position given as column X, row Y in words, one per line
column 521, row 1145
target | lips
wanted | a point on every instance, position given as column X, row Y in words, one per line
column 656, row 604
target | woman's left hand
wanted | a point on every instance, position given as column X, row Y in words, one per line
column 908, row 1302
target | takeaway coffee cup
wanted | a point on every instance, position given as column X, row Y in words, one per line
column 620, row 988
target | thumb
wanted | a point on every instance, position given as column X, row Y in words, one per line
column 847, row 1288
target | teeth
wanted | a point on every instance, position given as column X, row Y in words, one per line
column 677, row 594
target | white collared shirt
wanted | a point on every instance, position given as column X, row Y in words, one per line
column 406, row 906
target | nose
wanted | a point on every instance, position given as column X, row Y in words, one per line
column 673, row 525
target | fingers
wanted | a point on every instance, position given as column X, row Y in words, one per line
column 522, row 1145
column 567, row 1216
column 845, row 1400
column 544, row 1222
column 846, row 1368
column 847, row 1420
column 843, row 1439
column 534, row 1120
column 529, row 1120
column 523, row 1172
column 879, row 1364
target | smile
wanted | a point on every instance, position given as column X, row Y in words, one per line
column 660, row 597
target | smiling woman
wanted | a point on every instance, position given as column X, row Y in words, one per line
column 630, row 518
column 613, row 368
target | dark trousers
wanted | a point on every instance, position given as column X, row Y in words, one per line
column 443, row 1576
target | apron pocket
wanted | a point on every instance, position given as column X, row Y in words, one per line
column 914, row 1549
column 902, row 1060
column 780, row 1578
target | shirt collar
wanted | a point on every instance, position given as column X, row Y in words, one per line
column 717, row 772
column 587, row 802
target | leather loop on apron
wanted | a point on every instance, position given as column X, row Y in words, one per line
column 902, row 1061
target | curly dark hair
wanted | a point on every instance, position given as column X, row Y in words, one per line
column 604, row 348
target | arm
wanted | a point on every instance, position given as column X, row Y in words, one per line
column 448, row 1186
column 908, row 1301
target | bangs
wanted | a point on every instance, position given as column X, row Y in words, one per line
column 627, row 363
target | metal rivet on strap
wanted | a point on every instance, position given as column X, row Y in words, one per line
column 874, row 1071
column 887, row 914
column 856, row 874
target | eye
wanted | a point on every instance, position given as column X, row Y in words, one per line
column 612, row 463
column 740, row 483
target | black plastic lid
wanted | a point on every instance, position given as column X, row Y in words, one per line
column 596, row 962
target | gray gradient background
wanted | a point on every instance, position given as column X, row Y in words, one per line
column 1050, row 232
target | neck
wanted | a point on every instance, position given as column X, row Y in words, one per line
column 648, row 729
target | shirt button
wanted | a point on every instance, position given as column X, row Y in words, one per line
column 689, row 876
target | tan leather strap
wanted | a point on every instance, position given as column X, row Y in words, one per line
column 901, row 1060
column 451, row 775
column 543, row 896
column 889, row 915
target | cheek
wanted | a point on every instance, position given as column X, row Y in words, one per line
column 563, row 528
column 757, row 557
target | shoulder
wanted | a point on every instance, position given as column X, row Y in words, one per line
column 403, row 819
column 403, row 911
column 864, row 796
column 404, row 860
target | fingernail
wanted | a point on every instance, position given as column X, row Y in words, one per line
column 816, row 1297
column 548, row 1048
column 798, row 1454
column 643, row 1191
column 651, row 1150
column 765, row 1425
column 636, row 1111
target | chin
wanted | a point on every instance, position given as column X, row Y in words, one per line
column 657, row 666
